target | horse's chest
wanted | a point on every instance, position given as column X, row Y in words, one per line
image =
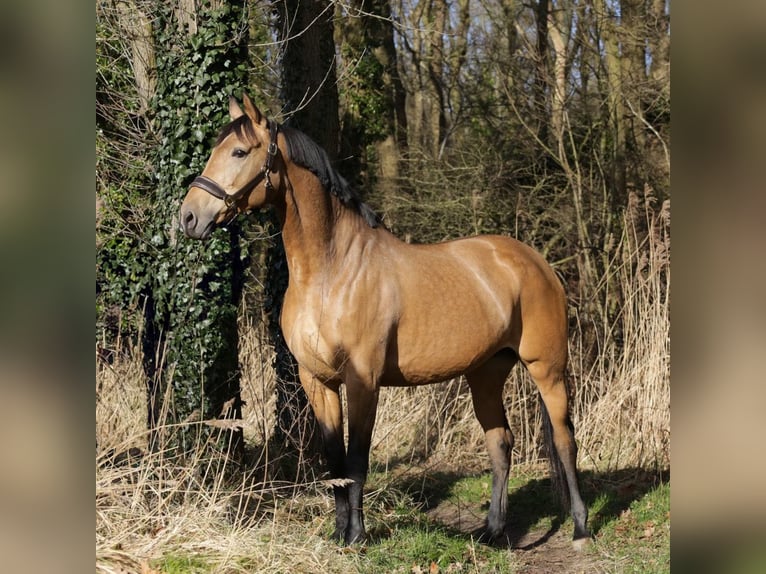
column 312, row 337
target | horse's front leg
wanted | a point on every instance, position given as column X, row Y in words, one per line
column 324, row 398
column 362, row 398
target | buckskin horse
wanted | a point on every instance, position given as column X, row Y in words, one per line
column 367, row 310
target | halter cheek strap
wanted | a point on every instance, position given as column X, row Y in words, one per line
column 231, row 199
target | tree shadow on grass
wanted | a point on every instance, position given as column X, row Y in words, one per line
column 534, row 511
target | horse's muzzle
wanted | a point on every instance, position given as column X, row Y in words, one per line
column 192, row 227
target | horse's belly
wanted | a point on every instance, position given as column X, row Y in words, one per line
column 445, row 353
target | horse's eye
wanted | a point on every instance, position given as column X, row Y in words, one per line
column 239, row 152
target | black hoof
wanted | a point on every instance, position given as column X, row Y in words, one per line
column 355, row 537
column 493, row 537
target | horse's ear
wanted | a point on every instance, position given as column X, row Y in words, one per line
column 234, row 110
column 252, row 112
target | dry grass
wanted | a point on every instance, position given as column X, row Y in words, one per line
column 161, row 511
column 154, row 510
column 623, row 406
column 151, row 508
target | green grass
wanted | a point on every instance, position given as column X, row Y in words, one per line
column 638, row 537
column 176, row 564
column 420, row 545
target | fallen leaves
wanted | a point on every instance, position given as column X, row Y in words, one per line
column 648, row 530
column 434, row 568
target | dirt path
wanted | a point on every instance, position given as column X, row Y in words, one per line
column 537, row 551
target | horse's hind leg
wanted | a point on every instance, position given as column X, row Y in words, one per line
column 549, row 377
column 486, row 383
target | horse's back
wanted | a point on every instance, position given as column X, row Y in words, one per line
column 499, row 272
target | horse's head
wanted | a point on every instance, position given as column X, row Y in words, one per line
column 239, row 176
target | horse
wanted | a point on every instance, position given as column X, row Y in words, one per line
column 366, row 310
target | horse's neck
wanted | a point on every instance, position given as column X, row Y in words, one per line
column 313, row 220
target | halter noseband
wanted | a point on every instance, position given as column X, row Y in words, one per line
column 231, row 199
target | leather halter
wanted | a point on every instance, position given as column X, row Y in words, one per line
column 231, row 199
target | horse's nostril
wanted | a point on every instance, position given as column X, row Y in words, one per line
column 189, row 220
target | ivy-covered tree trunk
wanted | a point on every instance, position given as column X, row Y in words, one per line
column 190, row 339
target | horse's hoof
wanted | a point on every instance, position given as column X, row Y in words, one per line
column 493, row 537
column 355, row 537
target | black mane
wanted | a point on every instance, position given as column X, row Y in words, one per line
column 306, row 153
column 303, row 151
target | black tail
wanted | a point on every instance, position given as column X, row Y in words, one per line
column 558, row 476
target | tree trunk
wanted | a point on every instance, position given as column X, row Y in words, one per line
column 373, row 97
column 309, row 83
column 436, row 121
column 558, row 33
column 659, row 42
column 634, row 78
column 425, row 88
column 615, row 105
column 541, row 71
column 138, row 29
column 389, row 149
